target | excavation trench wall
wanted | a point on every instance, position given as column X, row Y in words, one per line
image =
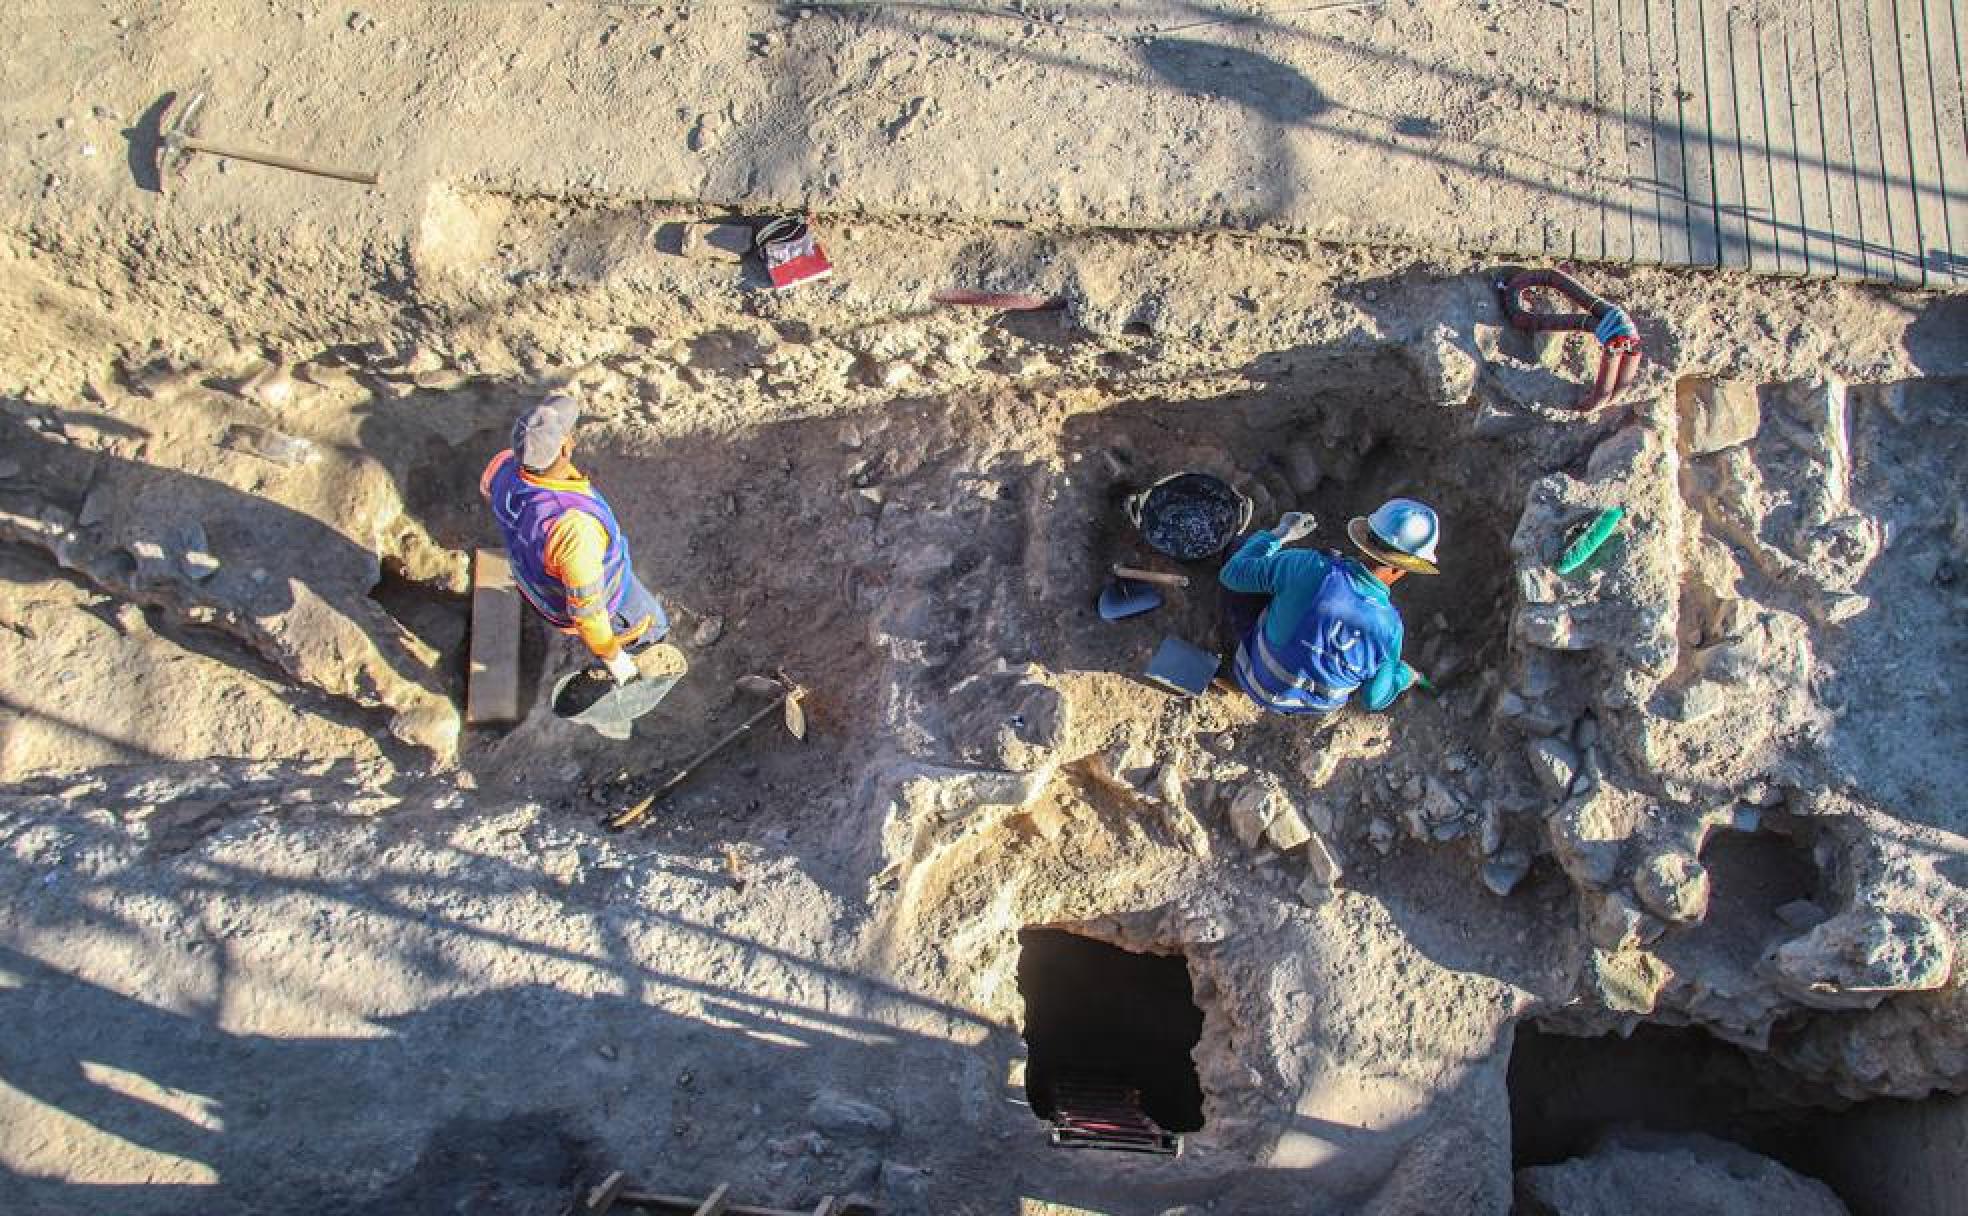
column 1631, row 802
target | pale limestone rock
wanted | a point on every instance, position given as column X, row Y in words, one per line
column 1587, row 835
column 1502, row 873
column 1615, row 924
column 1254, row 807
column 1857, row 958
column 1627, row 981
column 1717, row 414
column 1554, row 762
column 1689, row 1174
column 845, row 1118
column 1287, row 829
column 1323, row 863
column 1673, row 886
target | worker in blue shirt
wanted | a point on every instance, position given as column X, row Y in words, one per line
column 1312, row 627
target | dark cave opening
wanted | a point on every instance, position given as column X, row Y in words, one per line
column 1568, row 1093
column 1095, row 1012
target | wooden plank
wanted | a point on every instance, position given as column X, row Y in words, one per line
column 686, row 1204
column 1922, row 118
column 715, row 1204
column 1789, row 227
column 1858, row 204
column 1945, row 30
column 1903, row 256
column 492, row 689
column 1610, row 128
column 1750, row 95
column 1581, row 87
column 1881, row 155
column 1808, row 138
column 1635, row 132
column 825, row 1207
column 604, row 1195
column 1725, row 126
column 1664, row 107
column 1697, row 131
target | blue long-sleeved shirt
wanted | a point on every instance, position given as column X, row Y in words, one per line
column 1291, row 577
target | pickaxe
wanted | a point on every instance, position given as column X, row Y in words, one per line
column 178, row 139
column 788, row 697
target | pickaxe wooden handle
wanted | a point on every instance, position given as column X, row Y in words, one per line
column 640, row 811
column 1151, row 576
column 187, row 143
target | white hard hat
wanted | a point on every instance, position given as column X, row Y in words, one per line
column 1401, row 533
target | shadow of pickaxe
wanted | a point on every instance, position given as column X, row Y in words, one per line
column 146, row 138
column 159, row 148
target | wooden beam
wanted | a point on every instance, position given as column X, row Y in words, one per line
column 492, row 690
column 604, row 1195
column 714, row 1206
column 687, row 1206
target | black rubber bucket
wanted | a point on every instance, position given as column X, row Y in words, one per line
column 1189, row 516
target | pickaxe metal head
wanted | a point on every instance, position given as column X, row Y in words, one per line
column 174, row 138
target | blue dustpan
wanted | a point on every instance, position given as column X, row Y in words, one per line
column 1122, row 598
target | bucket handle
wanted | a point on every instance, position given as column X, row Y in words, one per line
column 1137, row 502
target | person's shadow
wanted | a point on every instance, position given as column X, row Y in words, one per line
column 498, row 1102
column 289, row 586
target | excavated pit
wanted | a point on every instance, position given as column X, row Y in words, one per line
column 1098, row 1013
column 1568, row 1094
column 1330, row 433
column 892, row 503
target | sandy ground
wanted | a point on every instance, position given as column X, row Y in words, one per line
column 283, row 936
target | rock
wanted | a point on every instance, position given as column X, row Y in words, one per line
column 952, row 794
column 272, row 385
column 1801, row 914
column 1444, row 364
column 418, row 360
column 1502, row 873
column 708, row 631
column 1287, row 829
column 1494, row 422
column 1128, row 768
column 9, row 469
column 1838, row 607
column 1615, row 923
column 1673, row 886
column 1857, row 958
column 1554, row 627
column 1380, row 834
column 1322, row 862
column 1717, row 414
column 130, row 619
column 904, row 1189
column 287, row 451
column 1439, row 805
column 440, row 380
column 1626, row 981
column 1554, row 762
column 1015, row 719
column 1641, row 1175
column 1254, row 807
column 1587, row 836
column 1701, row 700
column 843, row 1118
column 197, row 564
